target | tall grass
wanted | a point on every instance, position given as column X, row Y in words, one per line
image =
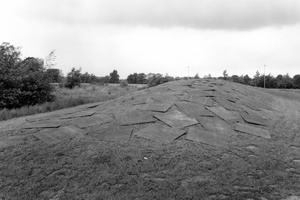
column 66, row 98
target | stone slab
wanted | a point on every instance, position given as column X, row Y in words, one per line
column 44, row 124
column 79, row 114
column 227, row 104
column 206, row 101
column 254, row 119
column 93, row 120
column 193, row 109
column 158, row 107
column 176, row 119
column 228, row 116
column 245, row 128
column 204, row 88
column 51, row 136
column 179, row 88
column 216, row 125
column 197, row 134
column 112, row 132
column 160, row 133
column 134, row 117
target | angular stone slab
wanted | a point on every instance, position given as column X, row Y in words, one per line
column 51, row 136
column 93, row 120
column 245, row 128
column 44, row 124
column 112, row 132
column 193, row 109
column 229, row 116
column 176, row 119
column 206, row 101
column 216, row 125
column 158, row 107
column 79, row 114
column 197, row 134
column 204, row 87
column 178, row 88
column 227, row 104
column 160, row 133
column 254, row 119
column 134, row 117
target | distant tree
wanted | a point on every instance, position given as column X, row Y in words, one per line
column 104, row 80
column 132, row 78
column 196, row 76
column 141, row 78
column 225, row 74
column 73, row 78
column 287, row 81
column 279, row 80
column 50, row 60
column 296, row 81
column 114, row 77
column 55, row 75
column 22, row 82
column 256, row 78
column 247, row 80
column 86, row 78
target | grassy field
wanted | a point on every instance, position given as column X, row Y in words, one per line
column 66, row 98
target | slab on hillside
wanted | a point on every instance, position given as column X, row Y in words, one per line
column 44, row 124
column 206, row 101
column 176, row 119
column 111, row 132
column 197, row 134
column 227, row 104
column 160, row 133
column 93, row 120
column 134, row 117
column 51, row 136
column 229, row 116
column 158, row 107
column 193, row 109
column 254, row 119
column 216, row 125
column 79, row 114
column 245, row 128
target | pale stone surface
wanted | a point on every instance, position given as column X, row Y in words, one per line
column 193, row 109
column 160, row 133
column 134, row 117
column 93, row 120
column 44, row 124
column 158, row 107
column 229, row 116
column 51, row 136
column 245, row 128
column 254, row 119
column 216, row 125
column 79, row 114
column 176, row 119
column 112, row 132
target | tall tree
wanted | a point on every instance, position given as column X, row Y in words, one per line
column 73, row 78
column 296, row 81
column 114, row 77
column 225, row 74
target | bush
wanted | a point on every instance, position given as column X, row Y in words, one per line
column 123, row 83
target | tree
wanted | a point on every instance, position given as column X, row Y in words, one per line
column 247, row 80
column 225, row 74
column 196, row 76
column 50, row 60
column 256, row 78
column 296, row 81
column 22, row 82
column 114, row 77
column 73, row 78
column 55, row 75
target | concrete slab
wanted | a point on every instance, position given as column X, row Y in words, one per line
column 193, row 109
column 228, row 116
column 51, row 136
column 160, row 133
column 111, row 132
column 216, row 125
column 197, row 134
column 158, row 107
column 179, row 88
column 245, row 128
column 79, row 114
column 93, row 120
column 134, row 117
column 206, row 101
column 254, row 119
column 44, row 124
column 227, row 104
column 176, row 119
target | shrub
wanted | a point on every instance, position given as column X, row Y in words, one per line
column 123, row 83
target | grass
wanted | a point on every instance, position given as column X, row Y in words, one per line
column 66, row 98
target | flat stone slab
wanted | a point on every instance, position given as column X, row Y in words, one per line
column 245, row 128
column 197, row 134
column 216, row 125
column 227, row 104
column 134, row 117
column 93, row 120
column 176, row 119
column 51, row 136
column 112, row 132
column 229, row 116
column 193, row 109
column 254, row 119
column 158, row 107
column 206, row 101
column 79, row 114
column 44, row 124
column 160, row 133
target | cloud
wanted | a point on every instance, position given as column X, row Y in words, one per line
column 204, row 14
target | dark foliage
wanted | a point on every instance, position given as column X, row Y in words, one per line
column 114, row 77
column 137, row 78
column 73, row 78
column 22, row 83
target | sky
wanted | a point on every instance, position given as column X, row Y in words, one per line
column 174, row 37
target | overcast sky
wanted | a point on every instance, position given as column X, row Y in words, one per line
column 178, row 37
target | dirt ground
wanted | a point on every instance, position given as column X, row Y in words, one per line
column 84, row 168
